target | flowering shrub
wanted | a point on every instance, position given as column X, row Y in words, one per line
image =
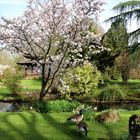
column 82, row 80
column 54, row 33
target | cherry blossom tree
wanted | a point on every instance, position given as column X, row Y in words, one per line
column 53, row 33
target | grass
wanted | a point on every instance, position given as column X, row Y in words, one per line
column 27, row 86
column 31, row 84
column 4, row 92
column 53, row 126
column 133, row 85
column 34, row 86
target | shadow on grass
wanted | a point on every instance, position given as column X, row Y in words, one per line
column 15, row 132
column 36, row 126
column 108, row 130
column 110, row 134
column 26, row 126
column 66, row 128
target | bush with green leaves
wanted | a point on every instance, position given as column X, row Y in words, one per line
column 40, row 107
column 81, row 80
column 89, row 113
column 112, row 93
column 111, row 73
column 56, row 106
column 12, row 80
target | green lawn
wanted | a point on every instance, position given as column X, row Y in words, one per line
column 53, row 126
column 31, row 84
column 34, row 86
column 27, row 86
column 4, row 92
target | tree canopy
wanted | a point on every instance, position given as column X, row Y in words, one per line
column 53, row 32
column 116, row 40
column 130, row 12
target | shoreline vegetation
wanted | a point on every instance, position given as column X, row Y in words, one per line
column 30, row 91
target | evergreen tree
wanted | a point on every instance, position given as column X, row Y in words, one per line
column 116, row 39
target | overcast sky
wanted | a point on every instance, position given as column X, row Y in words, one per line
column 13, row 8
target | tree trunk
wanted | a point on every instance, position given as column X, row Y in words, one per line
column 42, row 94
column 125, row 79
column 43, row 85
column 45, row 80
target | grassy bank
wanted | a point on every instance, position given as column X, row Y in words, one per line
column 34, row 86
column 26, row 86
column 53, row 126
column 29, row 85
column 133, row 85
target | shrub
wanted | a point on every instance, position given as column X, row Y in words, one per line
column 134, row 73
column 56, row 106
column 12, row 80
column 24, row 106
column 111, row 73
column 112, row 93
column 40, row 107
column 81, row 81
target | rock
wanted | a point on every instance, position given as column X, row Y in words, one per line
column 109, row 116
column 6, row 107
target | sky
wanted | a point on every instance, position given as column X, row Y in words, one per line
column 13, row 8
column 108, row 12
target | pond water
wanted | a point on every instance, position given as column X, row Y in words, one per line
column 127, row 106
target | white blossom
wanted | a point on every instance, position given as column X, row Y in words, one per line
column 54, row 32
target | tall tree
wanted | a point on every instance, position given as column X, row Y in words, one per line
column 130, row 11
column 52, row 32
column 116, row 39
column 124, row 65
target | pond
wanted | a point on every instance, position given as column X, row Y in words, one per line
column 11, row 107
column 128, row 106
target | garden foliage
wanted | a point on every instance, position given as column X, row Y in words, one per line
column 82, row 81
column 56, row 106
column 112, row 93
column 12, row 80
